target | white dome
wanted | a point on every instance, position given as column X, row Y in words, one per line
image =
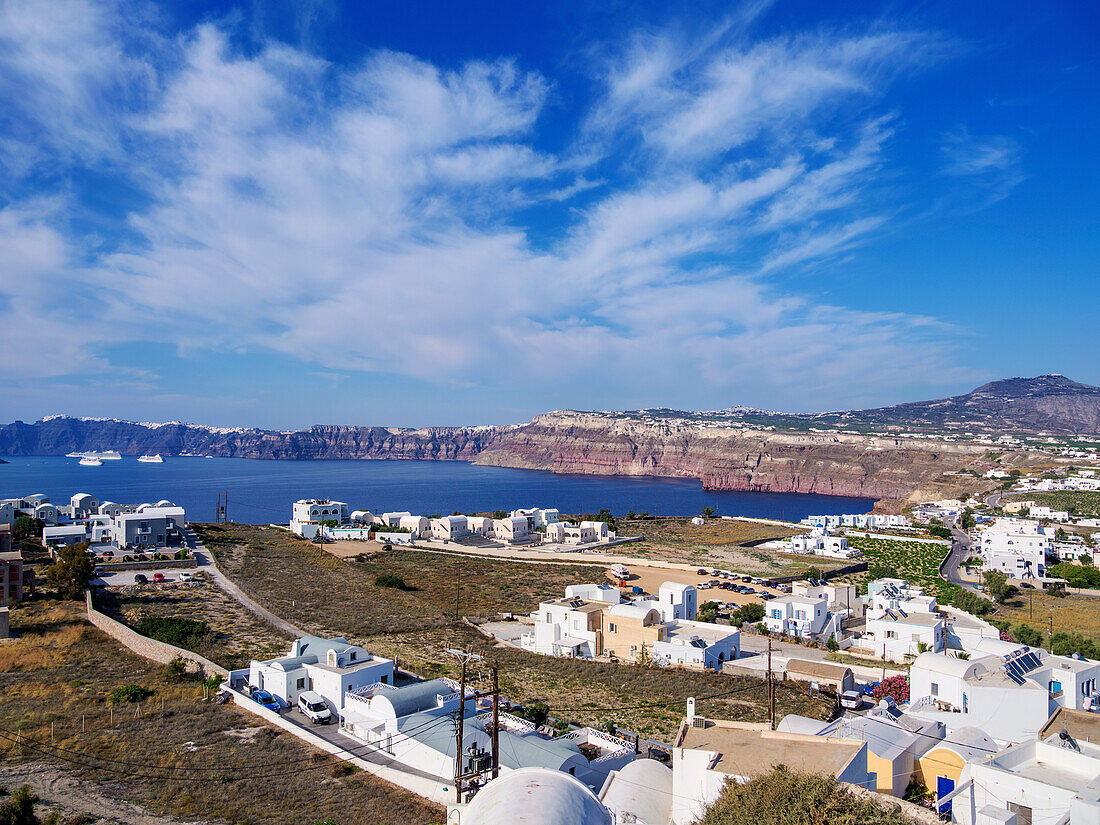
column 642, row 788
column 536, row 796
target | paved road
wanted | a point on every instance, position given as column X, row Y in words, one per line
column 960, row 547
column 205, row 560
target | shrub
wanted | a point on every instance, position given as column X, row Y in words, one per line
column 998, row 585
column 341, row 769
column 1027, row 635
column 832, row 644
column 19, row 810
column 1065, row 643
column 176, row 669
column 129, row 693
column 784, row 797
column 391, row 580
column 896, row 687
column 176, row 631
column 537, row 713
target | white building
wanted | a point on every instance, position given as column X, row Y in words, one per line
column 150, row 526
column 801, row 616
column 448, row 528
column 562, row 532
column 418, row 526
column 512, row 528
column 308, row 514
column 568, row 627
column 1005, row 689
column 677, row 601
column 821, row 544
column 896, row 635
column 697, row 644
column 537, row 517
column 709, row 753
column 1055, row 782
column 1016, row 548
column 606, row 593
column 479, row 525
column 330, row 667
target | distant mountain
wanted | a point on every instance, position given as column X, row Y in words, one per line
column 857, row 453
column 1050, row 403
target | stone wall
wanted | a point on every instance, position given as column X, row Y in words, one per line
column 149, row 648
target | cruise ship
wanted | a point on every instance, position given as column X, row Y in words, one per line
column 106, row 455
column 151, row 459
column 90, row 461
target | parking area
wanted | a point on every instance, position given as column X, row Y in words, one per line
column 123, row 578
column 650, row 580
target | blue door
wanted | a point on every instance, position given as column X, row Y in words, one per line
column 944, row 786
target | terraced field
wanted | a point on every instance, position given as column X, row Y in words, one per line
column 917, row 562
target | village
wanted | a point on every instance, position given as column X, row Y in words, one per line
column 913, row 697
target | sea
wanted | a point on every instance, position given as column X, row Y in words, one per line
column 262, row 491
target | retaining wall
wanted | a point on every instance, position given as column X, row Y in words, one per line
column 165, row 564
column 148, row 648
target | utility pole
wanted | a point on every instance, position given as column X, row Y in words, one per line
column 496, row 722
column 458, row 745
column 771, row 687
column 461, row 774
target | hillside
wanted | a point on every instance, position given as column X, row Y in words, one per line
column 897, row 452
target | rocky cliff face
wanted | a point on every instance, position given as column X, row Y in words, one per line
column 61, row 435
column 732, row 459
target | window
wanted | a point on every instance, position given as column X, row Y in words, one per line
column 385, row 679
column 935, row 689
column 1023, row 813
column 301, row 685
column 352, row 655
column 891, row 634
column 610, row 627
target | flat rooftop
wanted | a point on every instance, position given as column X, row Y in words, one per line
column 752, row 752
column 585, row 607
column 1079, row 724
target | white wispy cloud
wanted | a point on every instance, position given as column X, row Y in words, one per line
column 369, row 217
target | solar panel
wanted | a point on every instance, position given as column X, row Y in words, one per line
column 1015, row 677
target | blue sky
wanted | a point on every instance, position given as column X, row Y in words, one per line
column 280, row 214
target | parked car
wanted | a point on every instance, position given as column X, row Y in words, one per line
column 748, row 591
column 868, row 689
column 851, row 700
column 716, row 572
column 141, row 578
column 767, row 596
column 159, row 577
column 705, row 585
column 185, row 576
column 313, row 707
column 746, row 578
column 265, row 699
column 715, row 583
column 700, row 572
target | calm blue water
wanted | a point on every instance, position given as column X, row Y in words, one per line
column 262, row 491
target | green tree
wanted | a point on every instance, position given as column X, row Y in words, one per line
column 970, row 602
column 708, row 612
column 1065, row 643
column 27, row 527
column 882, row 571
column 814, row 573
column 1060, row 534
column 998, row 586
column 537, row 713
column 751, row 612
column 500, row 514
column 1027, row 635
column 939, row 531
column 1085, row 559
column 72, row 571
column 605, row 516
column 19, row 810
column 708, row 511
column 832, row 644
column 967, row 521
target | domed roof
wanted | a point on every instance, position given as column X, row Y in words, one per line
column 536, row 796
column 642, row 788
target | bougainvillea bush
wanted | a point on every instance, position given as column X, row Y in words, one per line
column 896, row 687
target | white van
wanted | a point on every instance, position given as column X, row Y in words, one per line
column 313, row 707
column 851, row 700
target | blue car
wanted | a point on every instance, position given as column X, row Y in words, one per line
column 265, row 699
column 868, row 689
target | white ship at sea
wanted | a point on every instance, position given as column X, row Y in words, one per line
column 151, row 459
column 90, row 461
column 105, row 455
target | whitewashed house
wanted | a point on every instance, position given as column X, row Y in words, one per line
column 308, row 514
column 149, row 527
column 330, row 667
column 1016, row 548
column 562, row 532
column 697, row 644
column 677, row 601
column 448, row 528
column 801, row 616
column 606, row 593
column 568, row 627
column 479, row 525
column 896, row 634
column 512, row 528
column 1054, row 782
column 418, row 526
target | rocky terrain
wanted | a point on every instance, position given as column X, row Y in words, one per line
column 735, row 450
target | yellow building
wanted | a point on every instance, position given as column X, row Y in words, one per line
column 630, row 628
column 940, row 767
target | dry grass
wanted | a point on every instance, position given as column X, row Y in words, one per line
column 1076, row 614
column 725, row 543
column 269, row 777
column 334, row 596
column 237, row 635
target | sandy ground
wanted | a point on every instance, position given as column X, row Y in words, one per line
column 59, row 788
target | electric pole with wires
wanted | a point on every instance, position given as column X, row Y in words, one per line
column 473, row 766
